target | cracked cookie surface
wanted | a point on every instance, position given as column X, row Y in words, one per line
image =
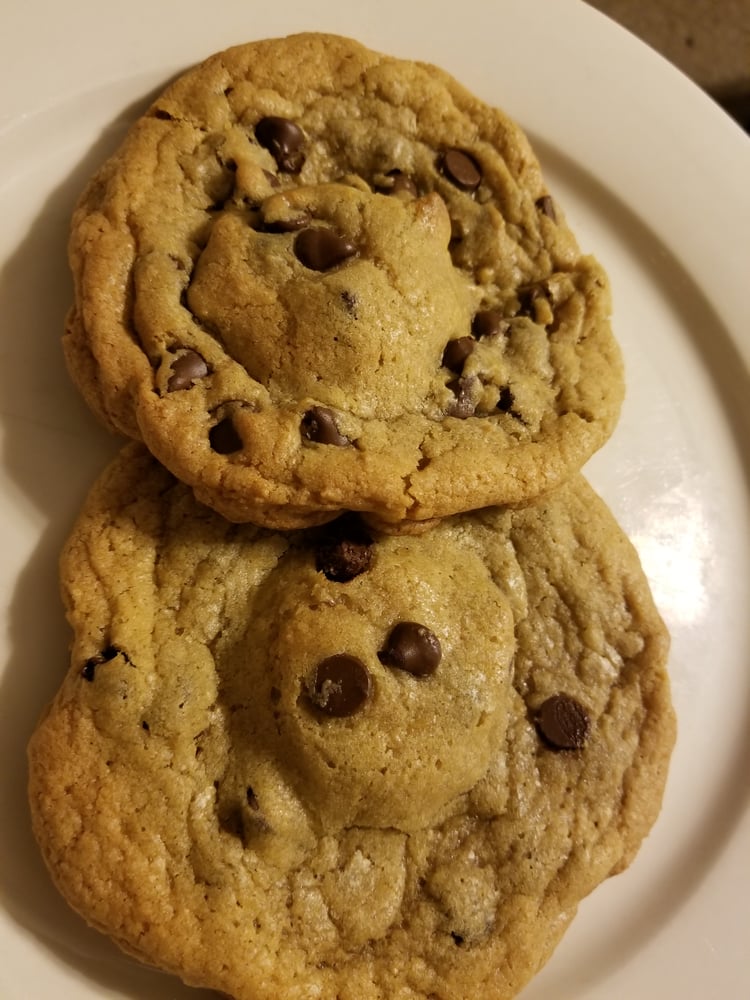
column 343, row 763
column 316, row 278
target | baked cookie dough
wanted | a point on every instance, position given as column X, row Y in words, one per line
column 315, row 278
column 343, row 764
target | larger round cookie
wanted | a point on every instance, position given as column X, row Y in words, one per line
column 257, row 776
column 317, row 278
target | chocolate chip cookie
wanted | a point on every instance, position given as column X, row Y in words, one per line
column 343, row 763
column 315, row 278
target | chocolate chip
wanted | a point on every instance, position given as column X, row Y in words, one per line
column 344, row 560
column 457, row 351
column 506, row 400
column 464, row 404
column 400, row 182
column 319, row 424
column 89, row 668
column 527, row 297
column 322, row 249
column 462, row 169
column 341, row 685
column 186, row 369
column 284, row 140
column 489, row 322
column 563, row 723
column 224, row 437
column 345, row 550
column 546, row 206
column 412, row 647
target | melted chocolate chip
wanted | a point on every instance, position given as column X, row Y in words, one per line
column 546, row 206
column 240, row 818
column 284, row 140
column 89, row 668
column 527, row 297
column 563, row 723
column 319, row 424
column 341, row 685
column 412, row 647
column 400, row 182
column 186, row 369
column 463, row 405
column 350, row 302
column 345, row 551
column 224, row 437
column 488, row 323
column 462, row 169
column 457, row 351
column 344, row 560
column 322, row 249
column 506, row 400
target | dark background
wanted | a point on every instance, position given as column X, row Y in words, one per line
column 709, row 40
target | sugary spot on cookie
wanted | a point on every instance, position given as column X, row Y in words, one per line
column 413, row 647
column 341, row 685
column 466, row 893
column 284, row 140
column 187, row 368
column 465, row 392
column 563, row 723
column 322, row 249
column 462, row 169
column 319, row 425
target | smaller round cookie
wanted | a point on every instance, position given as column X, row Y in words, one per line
column 315, row 278
column 343, row 763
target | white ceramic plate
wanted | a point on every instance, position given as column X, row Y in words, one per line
column 654, row 179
